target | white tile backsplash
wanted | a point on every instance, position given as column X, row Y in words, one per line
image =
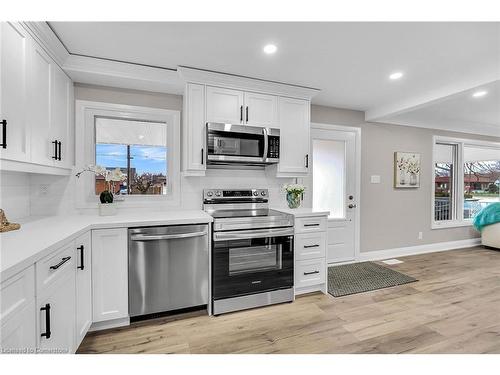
column 24, row 194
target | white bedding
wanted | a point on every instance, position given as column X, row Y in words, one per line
column 490, row 235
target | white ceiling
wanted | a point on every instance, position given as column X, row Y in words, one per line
column 349, row 62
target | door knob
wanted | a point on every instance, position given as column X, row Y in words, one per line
column 352, row 206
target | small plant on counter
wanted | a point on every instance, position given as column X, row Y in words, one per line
column 294, row 194
column 110, row 177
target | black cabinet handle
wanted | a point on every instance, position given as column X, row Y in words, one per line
column 47, row 332
column 60, row 147
column 310, row 273
column 81, row 248
column 241, row 113
column 312, row 225
column 202, row 157
column 63, row 260
column 247, row 114
column 307, row 160
column 55, row 150
column 309, row 246
column 4, row 134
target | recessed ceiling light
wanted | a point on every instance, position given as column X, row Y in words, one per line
column 270, row 49
column 478, row 94
column 396, row 75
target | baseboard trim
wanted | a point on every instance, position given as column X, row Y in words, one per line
column 114, row 323
column 420, row 249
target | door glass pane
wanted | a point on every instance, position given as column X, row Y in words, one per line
column 444, row 156
column 481, row 178
column 138, row 149
column 254, row 259
column 329, row 176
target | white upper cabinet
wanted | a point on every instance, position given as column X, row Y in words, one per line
column 39, row 95
column 194, row 148
column 224, row 105
column 294, row 133
column 13, row 70
column 261, row 110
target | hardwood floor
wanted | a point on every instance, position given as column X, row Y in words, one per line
column 453, row 308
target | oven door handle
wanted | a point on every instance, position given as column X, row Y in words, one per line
column 254, row 233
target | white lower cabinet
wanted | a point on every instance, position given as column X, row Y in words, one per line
column 83, row 286
column 56, row 310
column 109, row 274
column 310, row 254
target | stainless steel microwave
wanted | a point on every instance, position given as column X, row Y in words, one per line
column 229, row 144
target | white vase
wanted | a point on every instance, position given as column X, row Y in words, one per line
column 107, row 209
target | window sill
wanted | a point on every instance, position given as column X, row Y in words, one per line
column 451, row 224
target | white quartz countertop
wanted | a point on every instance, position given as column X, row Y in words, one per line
column 40, row 236
column 303, row 211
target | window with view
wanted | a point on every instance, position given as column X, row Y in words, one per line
column 466, row 179
column 138, row 149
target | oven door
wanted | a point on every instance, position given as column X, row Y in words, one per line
column 235, row 143
column 251, row 261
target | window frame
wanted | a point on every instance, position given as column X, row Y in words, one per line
column 458, row 180
column 86, row 112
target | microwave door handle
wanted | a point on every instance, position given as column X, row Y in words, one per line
column 266, row 144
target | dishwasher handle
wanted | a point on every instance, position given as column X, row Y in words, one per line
column 156, row 237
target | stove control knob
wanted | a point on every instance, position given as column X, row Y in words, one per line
column 255, row 193
column 209, row 194
column 217, row 193
column 263, row 193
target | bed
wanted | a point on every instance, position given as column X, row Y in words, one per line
column 490, row 235
column 487, row 221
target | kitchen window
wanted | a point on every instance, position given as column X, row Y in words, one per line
column 466, row 178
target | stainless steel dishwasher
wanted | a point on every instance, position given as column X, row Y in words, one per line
column 167, row 268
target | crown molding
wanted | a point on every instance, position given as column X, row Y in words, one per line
column 44, row 36
column 208, row 77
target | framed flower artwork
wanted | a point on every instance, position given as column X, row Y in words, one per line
column 406, row 169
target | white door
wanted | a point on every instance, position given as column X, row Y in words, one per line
column 109, row 274
column 13, row 102
column 224, row 105
column 261, row 110
column 335, row 170
column 294, row 131
column 56, row 315
column 39, row 96
column 83, row 286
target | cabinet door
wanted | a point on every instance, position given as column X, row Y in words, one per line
column 56, row 310
column 261, row 110
column 109, row 274
column 39, row 96
column 294, row 132
column 13, row 101
column 83, row 286
column 61, row 115
column 18, row 333
column 224, row 105
column 194, row 128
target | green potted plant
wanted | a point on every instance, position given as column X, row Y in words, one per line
column 106, row 205
column 294, row 194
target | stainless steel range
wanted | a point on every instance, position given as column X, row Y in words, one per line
column 252, row 250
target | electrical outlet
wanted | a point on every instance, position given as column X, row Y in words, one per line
column 420, row 235
column 43, row 189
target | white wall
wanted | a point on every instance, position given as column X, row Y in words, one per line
column 14, row 194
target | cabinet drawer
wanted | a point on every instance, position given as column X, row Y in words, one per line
column 309, row 272
column 16, row 292
column 310, row 224
column 54, row 266
column 310, row 245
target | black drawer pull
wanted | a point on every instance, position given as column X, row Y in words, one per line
column 312, row 225
column 81, row 248
column 4, row 134
column 63, row 260
column 55, row 143
column 46, row 334
column 310, row 273
column 59, row 155
column 309, row 246
column 241, row 113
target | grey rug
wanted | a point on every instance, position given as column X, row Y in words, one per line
column 363, row 277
